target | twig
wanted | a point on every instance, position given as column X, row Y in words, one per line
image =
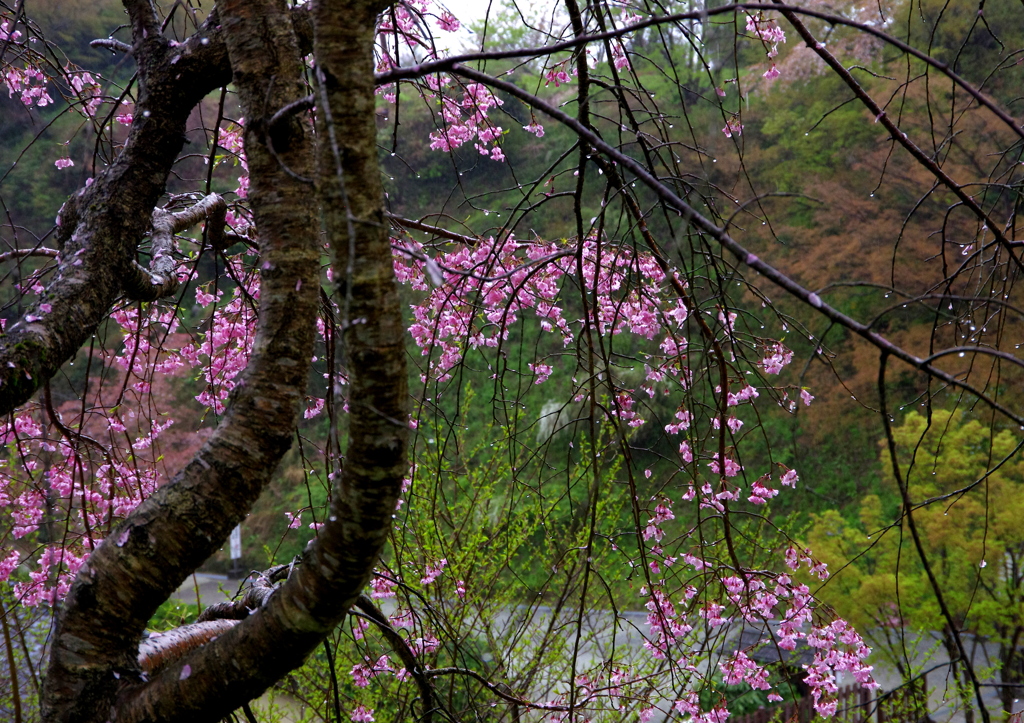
column 111, row 44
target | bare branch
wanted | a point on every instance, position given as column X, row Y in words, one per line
column 26, row 253
column 112, row 44
column 161, row 279
column 161, row 649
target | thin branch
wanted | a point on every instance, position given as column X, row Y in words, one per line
column 447, row 64
column 692, row 216
column 499, row 689
column 402, row 649
column 915, row 535
column 436, row 230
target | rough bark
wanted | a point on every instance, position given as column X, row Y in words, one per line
column 101, row 225
column 236, row 666
column 94, row 655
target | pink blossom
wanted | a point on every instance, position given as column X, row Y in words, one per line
column 313, row 409
column 535, row 128
column 732, row 128
column 777, row 357
column 761, row 492
column 382, row 587
column 362, row 714
column 543, row 371
column 5, row 32
column 63, row 163
column 556, row 75
column 619, row 58
column 732, row 468
column 448, row 22
column 8, row 565
column 433, row 571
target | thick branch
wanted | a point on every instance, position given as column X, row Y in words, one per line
column 111, row 44
column 103, row 223
column 26, row 253
column 147, row 557
column 320, row 592
column 161, row 279
column 160, row 649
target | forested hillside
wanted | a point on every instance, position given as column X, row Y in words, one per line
column 831, row 192
column 695, row 308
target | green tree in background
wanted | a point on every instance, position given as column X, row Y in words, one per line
column 968, row 480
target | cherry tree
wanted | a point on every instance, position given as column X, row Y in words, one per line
column 458, row 565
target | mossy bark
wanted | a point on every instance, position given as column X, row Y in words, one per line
column 93, row 663
column 170, row 534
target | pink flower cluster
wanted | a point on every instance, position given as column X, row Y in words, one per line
column 467, row 119
column 224, row 350
column 484, row 289
column 770, row 34
column 557, row 74
column 88, row 90
column 232, row 141
column 29, row 83
column 433, row 571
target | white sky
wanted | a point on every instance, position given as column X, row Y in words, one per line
column 470, row 11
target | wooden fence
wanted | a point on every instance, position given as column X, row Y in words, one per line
column 855, row 705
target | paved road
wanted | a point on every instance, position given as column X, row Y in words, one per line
column 212, row 589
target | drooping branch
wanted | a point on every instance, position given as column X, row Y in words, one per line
column 446, row 64
column 443, row 65
column 690, row 215
column 902, row 138
column 952, row 627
